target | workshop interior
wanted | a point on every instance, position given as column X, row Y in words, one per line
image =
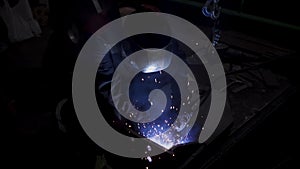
column 256, row 42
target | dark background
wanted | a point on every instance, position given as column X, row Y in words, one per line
column 36, row 74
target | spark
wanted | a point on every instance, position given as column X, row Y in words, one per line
column 149, row 148
column 149, row 159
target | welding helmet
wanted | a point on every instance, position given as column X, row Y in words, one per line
column 155, row 59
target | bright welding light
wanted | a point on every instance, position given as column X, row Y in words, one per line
column 153, row 60
column 161, row 142
column 167, row 141
column 152, row 68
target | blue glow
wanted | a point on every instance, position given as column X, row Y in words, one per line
column 164, row 131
